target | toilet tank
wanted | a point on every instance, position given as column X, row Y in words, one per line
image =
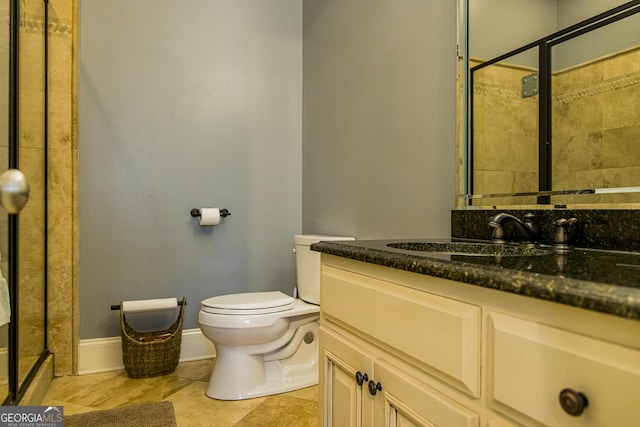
column 308, row 265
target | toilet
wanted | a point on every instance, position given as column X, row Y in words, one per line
column 267, row 342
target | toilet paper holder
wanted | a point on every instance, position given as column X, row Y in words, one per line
column 196, row 212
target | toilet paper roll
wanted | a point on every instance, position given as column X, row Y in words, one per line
column 209, row 216
column 139, row 306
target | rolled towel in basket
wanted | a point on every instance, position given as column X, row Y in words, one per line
column 140, row 306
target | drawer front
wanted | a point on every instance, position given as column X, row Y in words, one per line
column 530, row 364
column 442, row 333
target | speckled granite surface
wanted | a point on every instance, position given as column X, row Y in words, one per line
column 617, row 229
column 604, row 281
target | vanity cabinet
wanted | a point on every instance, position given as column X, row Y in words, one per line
column 354, row 395
column 404, row 349
column 353, row 371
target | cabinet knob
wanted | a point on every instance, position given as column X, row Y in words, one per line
column 361, row 378
column 573, row 402
column 374, row 387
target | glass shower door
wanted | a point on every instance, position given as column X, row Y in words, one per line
column 5, row 13
column 23, row 107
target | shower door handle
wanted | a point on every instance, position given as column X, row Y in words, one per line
column 14, row 191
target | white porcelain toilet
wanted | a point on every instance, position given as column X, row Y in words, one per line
column 266, row 342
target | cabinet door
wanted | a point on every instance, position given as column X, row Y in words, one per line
column 403, row 401
column 343, row 402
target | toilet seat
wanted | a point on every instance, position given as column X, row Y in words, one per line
column 249, row 303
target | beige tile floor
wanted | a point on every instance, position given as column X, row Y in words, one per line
column 185, row 388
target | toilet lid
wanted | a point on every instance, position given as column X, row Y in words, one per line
column 249, row 303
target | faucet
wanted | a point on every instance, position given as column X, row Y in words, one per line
column 527, row 228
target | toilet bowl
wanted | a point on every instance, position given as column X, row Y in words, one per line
column 266, row 342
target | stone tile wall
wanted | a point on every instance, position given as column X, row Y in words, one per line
column 63, row 151
column 31, row 232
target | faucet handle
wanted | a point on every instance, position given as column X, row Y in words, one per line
column 564, row 221
column 564, row 233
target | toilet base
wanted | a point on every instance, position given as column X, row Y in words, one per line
column 238, row 375
column 269, row 387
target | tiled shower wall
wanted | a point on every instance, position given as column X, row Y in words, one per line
column 595, row 130
column 63, row 151
column 31, row 162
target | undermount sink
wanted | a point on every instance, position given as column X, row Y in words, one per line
column 470, row 249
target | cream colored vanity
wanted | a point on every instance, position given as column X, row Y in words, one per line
column 406, row 349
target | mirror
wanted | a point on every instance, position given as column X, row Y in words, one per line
column 552, row 108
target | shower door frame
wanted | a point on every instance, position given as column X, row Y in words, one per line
column 16, row 388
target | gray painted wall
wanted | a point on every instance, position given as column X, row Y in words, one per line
column 621, row 35
column 379, row 117
column 185, row 104
column 499, row 26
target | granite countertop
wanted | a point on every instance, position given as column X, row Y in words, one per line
column 599, row 280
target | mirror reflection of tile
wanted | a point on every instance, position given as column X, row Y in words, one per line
column 595, row 129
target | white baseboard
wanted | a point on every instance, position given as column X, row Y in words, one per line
column 105, row 354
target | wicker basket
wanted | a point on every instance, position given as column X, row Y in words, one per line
column 151, row 354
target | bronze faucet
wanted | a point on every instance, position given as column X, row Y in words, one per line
column 527, row 228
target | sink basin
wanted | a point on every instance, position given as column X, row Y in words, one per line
column 470, row 249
